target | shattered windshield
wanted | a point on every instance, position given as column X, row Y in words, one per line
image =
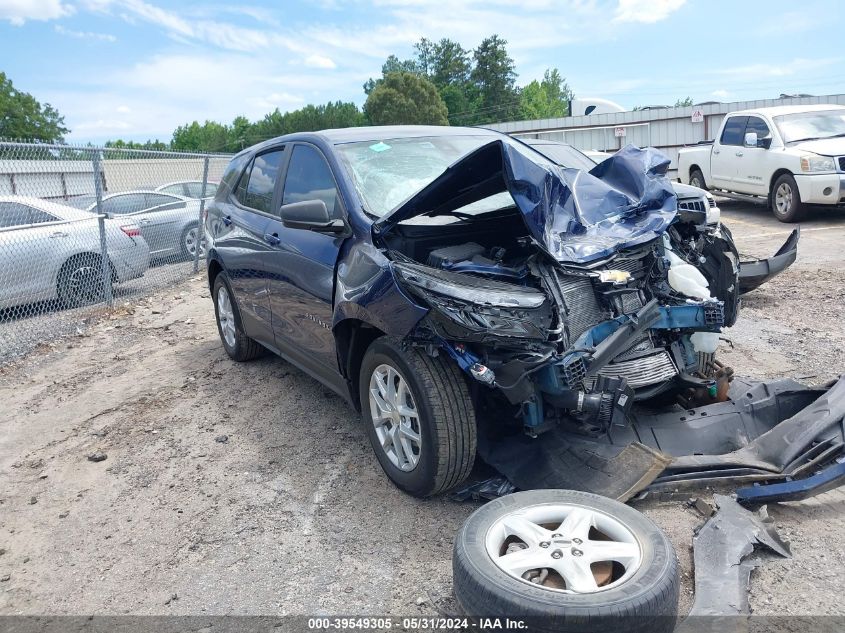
column 811, row 126
column 388, row 172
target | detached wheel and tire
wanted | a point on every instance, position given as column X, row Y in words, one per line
column 786, row 200
column 566, row 561
column 238, row 345
column 80, row 281
column 696, row 179
column 419, row 417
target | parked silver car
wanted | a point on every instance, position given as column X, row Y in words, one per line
column 52, row 251
column 168, row 222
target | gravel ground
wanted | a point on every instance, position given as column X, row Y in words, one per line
column 251, row 489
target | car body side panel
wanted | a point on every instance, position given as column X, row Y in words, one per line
column 367, row 291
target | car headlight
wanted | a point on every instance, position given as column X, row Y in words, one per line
column 470, row 308
column 817, row 163
column 465, row 288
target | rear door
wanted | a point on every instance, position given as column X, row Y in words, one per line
column 726, row 153
column 302, row 279
column 241, row 243
column 31, row 253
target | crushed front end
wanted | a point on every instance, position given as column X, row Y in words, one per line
column 567, row 328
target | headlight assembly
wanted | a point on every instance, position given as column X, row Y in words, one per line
column 817, row 163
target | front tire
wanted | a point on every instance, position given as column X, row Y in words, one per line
column 696, row 179
column 238, row 345
column 419, row 417
column 786, row 199
column 80, row 281
column 566, row 561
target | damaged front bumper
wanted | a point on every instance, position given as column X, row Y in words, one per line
column 754, row 273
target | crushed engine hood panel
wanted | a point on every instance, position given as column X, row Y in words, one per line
column 576, row 216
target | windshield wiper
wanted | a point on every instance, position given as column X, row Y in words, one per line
column 816, row 138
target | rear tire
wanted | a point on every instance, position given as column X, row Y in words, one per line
column 786, row 200
column 238, row 345
column 696, row 179
column 417, row 396
column 191, row 237
column 80, row 281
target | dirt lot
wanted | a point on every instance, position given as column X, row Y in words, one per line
column 251, row 489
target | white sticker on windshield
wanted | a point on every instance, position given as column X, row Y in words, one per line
column 380, row 146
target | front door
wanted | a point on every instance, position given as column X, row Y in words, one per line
column 302, row 280
column 727, row 152
column 752, row 164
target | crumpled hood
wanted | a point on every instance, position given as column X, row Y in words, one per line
column 823, row 146
column 576, row 216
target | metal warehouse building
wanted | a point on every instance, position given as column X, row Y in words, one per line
column 668, row 129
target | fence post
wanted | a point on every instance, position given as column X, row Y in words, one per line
column 105, row 267
column 200, row 227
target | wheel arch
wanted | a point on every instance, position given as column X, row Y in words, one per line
column 778, row 173
column 693, row 168
column 352, row 339
column 213, row 268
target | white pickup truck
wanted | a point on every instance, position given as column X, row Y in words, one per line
column 789, row 156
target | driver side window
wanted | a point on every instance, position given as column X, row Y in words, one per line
column 309, row 177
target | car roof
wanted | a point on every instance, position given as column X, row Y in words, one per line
column 791, row 109
column 340, row 136
column 62, row 210
column 181, row 182
column 136, row 191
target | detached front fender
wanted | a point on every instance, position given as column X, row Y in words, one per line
column 753, row 274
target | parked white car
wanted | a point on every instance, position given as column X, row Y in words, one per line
column 788, row 156
column 50, row 251
column 189, row 189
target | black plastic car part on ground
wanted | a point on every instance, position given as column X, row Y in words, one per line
column 566, row 561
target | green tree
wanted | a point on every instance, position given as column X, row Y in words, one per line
column 546, row 99
column 682, row 103
column 208, row 137
column 393, row 65
column 405, row 98
column 23, row 117
column 494, row 77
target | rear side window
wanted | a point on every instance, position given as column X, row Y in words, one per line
column 734, row 131
column 158, row 199
column 310, row 178
column 123, row 205
column 16, row 214
column 178, row 188
column 233, row 172
column 255, row 189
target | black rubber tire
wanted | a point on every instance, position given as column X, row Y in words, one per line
column 447, row 417
column 647, row 602
column 245, row 348
column 796, row 210
column 696, row 179
column 93, row 290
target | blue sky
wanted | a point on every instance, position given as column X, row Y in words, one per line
column 136, row 69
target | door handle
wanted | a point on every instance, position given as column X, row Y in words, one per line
column 144, row 221
column 227, row 220
column 715, row 151
column 739, row 153
column 272, row 239
column 58, row 234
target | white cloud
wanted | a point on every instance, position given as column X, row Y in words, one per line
column 19, row 11
column 646, row 11
column 319, row 61
column 764, row 71
column 123, row 109
column 720, row 93
column 84, row 35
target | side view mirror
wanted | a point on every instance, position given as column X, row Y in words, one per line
column 310, row 215
column 750, row 139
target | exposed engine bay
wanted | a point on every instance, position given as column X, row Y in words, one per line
column 573, row 343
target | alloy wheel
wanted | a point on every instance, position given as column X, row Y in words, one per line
column 783, row 198
column 395, row 417
column 565, row 548
column 226, row 316
column 191, row 241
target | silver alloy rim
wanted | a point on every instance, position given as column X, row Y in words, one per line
column 395, row 417
column 695, row 182
column 783, row 197
column 564, row 547
column 226, row 316
column 191, row 243
column 84, row 285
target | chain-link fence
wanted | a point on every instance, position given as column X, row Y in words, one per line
column 82, row 228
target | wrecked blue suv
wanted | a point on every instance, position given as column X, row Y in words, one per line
column 447, row 280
